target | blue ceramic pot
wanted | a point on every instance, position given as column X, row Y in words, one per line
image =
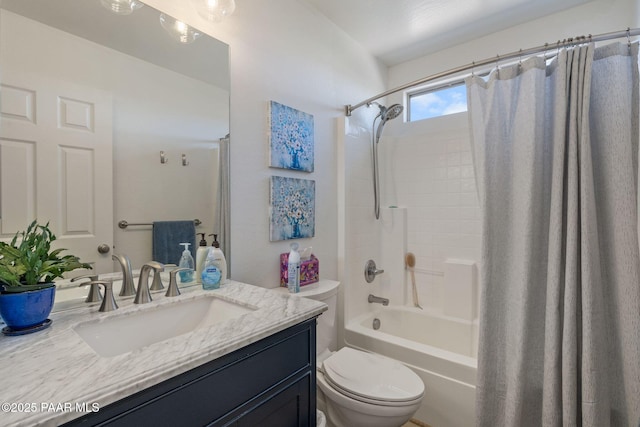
column 26, row 309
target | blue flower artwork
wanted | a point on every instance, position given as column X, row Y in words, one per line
column 293, row 208
column 290, row 138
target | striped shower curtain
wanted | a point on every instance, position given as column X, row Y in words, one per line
column 555, row 148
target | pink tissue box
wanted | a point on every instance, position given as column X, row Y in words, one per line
column 309, row 270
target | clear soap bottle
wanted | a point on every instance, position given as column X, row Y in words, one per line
column 186, row 261
column 211, row 273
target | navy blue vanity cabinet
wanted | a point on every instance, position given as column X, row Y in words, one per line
column 271, row 382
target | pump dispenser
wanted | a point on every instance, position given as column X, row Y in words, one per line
column 186, row 261
column 201, row 257
column 210, row 273
column 293, row 273
column 220, row 258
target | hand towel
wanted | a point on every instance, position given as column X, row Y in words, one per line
column 167, row 236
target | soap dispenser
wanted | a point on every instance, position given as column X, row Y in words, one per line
column 201, row 256
column 220, row 258
column 210, row 273
column 186, row 261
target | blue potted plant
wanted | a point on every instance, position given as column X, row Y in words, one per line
column 28, row 268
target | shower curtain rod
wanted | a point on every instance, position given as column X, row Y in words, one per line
column 628, row 33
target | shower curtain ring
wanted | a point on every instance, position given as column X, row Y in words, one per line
column 473, row 68
column 629, row 37
column 520, row 58
column 498, row 64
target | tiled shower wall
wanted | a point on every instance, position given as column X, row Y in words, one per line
column 427, row 167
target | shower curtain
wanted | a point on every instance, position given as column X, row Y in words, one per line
column 556, row 155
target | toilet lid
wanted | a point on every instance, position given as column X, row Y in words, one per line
column 372, row 376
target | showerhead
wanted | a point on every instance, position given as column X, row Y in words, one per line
column 389, row 113
column 385, row 115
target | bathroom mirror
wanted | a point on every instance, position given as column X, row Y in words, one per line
column 107, row 118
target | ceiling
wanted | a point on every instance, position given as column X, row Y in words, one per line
column 139, row 35
column 396, row 31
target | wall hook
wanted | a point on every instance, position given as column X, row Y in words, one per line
column 163, row 158
column 185, row 162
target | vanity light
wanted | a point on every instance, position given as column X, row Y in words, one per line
column 214, row 10
column 178, row 29
column 122, row 7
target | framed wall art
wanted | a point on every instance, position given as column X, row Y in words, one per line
column 292, row 208
column 291, row 139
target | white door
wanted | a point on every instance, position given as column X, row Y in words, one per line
column 56, row 163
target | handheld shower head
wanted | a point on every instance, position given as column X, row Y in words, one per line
column 390, row 113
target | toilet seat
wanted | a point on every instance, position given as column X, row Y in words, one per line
column 371, row 378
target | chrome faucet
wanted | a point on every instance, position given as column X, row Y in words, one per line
column 108, row 302
column 143, row 295
column 378, row 300
column 128, row 288
column 173, row 290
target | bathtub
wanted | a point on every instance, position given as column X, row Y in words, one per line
column 439, row 349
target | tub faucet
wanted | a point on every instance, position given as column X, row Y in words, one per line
column 127, row 288
column 143, row 295
column 378, row 300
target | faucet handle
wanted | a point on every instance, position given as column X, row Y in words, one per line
column 371, row 271
column 108, row 302
column 91, row 277
column 173, row 290
column 94, row 291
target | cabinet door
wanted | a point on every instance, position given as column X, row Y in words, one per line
column 288, row 407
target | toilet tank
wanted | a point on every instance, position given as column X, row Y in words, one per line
column 325, row 291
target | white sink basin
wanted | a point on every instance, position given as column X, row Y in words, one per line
column 131, row 331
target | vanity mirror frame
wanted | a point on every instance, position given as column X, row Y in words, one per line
column 136, row 165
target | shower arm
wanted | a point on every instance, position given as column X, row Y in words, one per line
column 628, row 33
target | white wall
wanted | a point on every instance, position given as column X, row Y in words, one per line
column 283, row 50
column 595, row 17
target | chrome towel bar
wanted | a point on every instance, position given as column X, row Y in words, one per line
column 124, row 224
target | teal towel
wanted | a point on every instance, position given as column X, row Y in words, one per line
column 167, row 236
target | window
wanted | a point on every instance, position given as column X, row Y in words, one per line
column 429, row 103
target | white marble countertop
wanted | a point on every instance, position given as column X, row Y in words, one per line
column 46, row 375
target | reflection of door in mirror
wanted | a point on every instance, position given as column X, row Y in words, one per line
column 164, row 96
column 50, row 136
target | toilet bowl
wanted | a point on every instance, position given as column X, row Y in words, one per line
column 355, row 388
column 358, row 389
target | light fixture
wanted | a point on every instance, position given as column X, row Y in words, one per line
column 122, row 7
column 214, row 10
column 178, row 29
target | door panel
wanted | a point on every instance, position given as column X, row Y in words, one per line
column 56, row 160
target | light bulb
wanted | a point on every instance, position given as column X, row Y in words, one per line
column 122, row 7
column 214, row 10
column 178, row 29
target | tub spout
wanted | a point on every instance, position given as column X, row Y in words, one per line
column 378, row 300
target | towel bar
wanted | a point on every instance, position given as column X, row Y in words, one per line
column 124, row 224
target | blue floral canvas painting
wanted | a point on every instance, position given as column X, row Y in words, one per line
column 293, row 208
column 290, row 138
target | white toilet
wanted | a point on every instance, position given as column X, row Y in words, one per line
column 356, row 388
